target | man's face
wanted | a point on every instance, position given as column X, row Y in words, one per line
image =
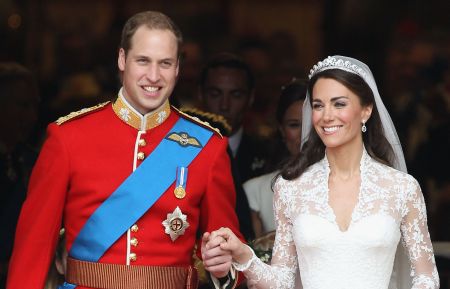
column 150, row 68
column 226, row 93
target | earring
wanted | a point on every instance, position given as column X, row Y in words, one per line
column 363, row 127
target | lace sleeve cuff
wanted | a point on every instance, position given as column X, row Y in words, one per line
column 245, row 266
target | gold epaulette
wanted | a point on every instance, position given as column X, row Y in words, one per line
column 196, row 119
column 75, row 114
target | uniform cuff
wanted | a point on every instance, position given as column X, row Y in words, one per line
column 227, row 282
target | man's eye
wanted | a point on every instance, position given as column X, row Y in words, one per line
column 238, row 94
column 213, row 93
column 166, row 64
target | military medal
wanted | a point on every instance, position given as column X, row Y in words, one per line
column 179, row 192
column 176, row 223
column 180, row 185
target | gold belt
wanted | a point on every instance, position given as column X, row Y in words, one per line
column 115, row 276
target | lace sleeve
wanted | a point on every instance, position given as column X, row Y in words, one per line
column 281, row 273
column 416, row 239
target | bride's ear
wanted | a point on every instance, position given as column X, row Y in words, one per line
column 366, row 112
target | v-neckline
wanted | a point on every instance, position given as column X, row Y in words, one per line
column 333, row 213
column 327, row 196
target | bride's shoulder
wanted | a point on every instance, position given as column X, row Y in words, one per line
column 388, row 171
column 394, row 177
column 312, row 176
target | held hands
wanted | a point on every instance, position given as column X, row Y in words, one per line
column 216, row 260
column 221, row 247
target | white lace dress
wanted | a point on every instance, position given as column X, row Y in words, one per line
column 390, row 208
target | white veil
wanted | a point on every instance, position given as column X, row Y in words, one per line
column 400, row 276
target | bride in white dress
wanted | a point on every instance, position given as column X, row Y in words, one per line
column 344, row 205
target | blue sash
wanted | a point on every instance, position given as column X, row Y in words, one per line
column 66, row 285
column 138, row 192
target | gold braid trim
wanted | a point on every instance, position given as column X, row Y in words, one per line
column 206, row 124
column 75, row 114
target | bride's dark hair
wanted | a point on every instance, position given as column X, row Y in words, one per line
column 375, row 142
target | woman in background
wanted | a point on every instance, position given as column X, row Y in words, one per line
column 259, row 189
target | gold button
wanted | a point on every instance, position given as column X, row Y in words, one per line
column 140, row 156
column 133, row 257
column 134, row 242
column 142, row 142
column 134, row 228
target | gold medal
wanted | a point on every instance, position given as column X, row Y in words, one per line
column 179, row 192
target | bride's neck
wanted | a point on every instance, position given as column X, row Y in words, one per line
column 345, row 161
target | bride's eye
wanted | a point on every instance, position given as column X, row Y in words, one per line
column 340, row 104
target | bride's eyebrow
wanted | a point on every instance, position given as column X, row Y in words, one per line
column 333, row 99
column 338, row 98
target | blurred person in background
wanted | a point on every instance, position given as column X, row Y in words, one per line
column 226, row 88
column 259, row 189
column 19, row 100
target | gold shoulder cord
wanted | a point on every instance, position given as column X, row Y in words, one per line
column 197, row 120
column 75, row 114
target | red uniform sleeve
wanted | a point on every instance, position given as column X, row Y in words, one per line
column 218, row 206
column 40, row 218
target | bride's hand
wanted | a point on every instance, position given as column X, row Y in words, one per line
column 239, row 251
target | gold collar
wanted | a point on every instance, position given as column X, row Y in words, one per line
column 133, row 118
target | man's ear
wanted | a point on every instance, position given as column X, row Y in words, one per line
column 121, row 59
column 178, row 68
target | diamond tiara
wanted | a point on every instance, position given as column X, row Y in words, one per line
column 335, row 63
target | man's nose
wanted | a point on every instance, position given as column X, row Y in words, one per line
column 224, row 102
column 153, row 73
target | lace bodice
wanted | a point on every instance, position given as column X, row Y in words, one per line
column 390, row 208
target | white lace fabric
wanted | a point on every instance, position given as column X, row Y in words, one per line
column 390, row 208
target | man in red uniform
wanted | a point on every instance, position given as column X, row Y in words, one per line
column 132, row 182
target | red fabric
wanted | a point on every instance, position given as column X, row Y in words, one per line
column 81, row 163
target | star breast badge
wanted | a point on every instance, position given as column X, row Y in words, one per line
column 183, row 139
column 175, row 224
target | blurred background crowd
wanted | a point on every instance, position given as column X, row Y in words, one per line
column 58, row 56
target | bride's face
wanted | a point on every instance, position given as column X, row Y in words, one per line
column 337, row 114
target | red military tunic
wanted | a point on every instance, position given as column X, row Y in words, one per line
column 84, row 160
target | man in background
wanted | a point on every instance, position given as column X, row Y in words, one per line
column 227, row 88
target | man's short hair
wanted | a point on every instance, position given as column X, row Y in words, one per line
column 228, row 60
column 152, row 20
